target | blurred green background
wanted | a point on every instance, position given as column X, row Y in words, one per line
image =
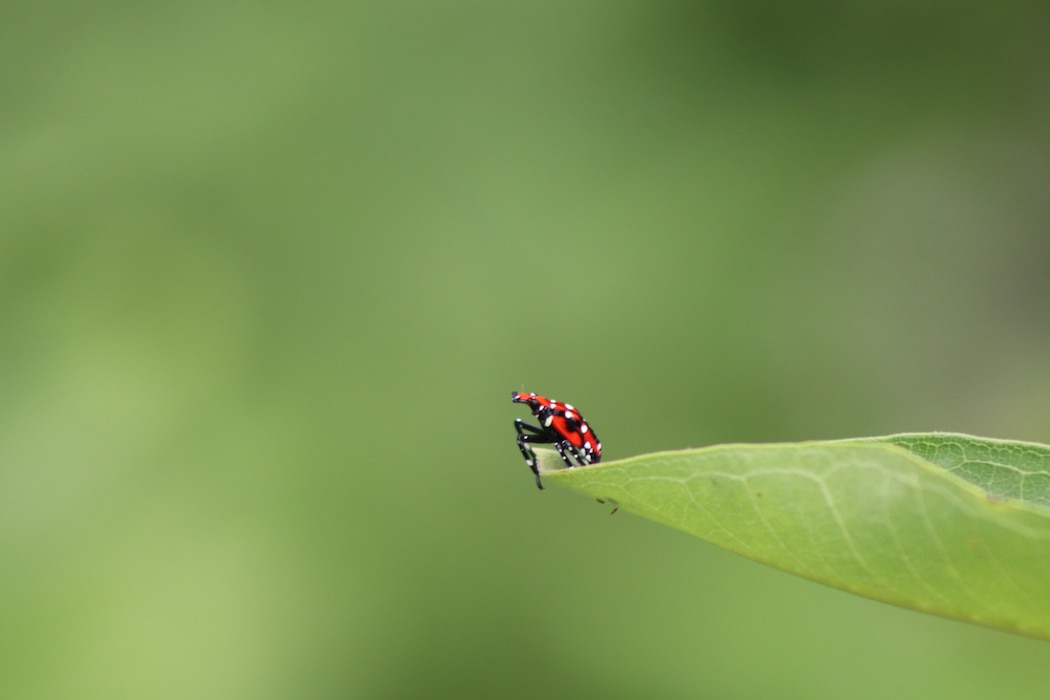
column 269, row 273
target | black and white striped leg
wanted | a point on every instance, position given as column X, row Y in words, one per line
column 529, row 455
column 560, row 445
column 529, row 434
column 576, row 453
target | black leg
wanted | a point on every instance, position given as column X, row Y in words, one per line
column 529, row 455
column 522, row 426
column 528, row 433
column 560, row 445
column 576, row 453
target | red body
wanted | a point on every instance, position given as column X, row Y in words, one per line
column 565, row 421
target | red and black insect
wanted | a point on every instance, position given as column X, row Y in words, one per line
column 560, row 425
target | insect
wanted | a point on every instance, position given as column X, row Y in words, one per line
column 561, row 425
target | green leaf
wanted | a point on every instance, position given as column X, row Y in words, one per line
column 951, row 525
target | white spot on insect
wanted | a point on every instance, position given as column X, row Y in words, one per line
column 570, row 407
column 570, row 415
column 528, row 462
column 547, row 421
column 584, row 429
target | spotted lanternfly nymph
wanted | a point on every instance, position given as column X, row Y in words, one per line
column 560, row 425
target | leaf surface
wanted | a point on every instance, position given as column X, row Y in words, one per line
column 947, row 524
